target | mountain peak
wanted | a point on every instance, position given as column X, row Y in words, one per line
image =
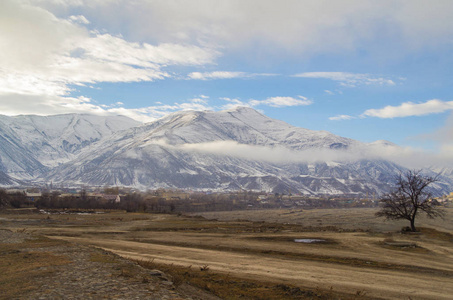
column 239, row 147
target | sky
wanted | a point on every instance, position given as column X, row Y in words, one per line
column 367, row 70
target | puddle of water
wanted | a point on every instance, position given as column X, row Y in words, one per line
column 309, row 241
column 70, row 212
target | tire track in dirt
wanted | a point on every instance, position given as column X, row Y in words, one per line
column 348, row 279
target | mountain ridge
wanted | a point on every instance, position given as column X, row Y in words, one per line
column 232, row 149
column 31, row 145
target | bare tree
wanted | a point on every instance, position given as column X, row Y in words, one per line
column 409, row 197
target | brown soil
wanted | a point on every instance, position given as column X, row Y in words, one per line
column 361, row 257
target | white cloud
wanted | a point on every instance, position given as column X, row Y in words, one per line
column 14, row 104
column 224, row 75
column 300, row 26
column 44, row 57
column 409, row 109
column 233, row 103
column 271, row 101
column 216, row 75
column 151, row 113
column 196, row 105
column 42, row 54
column 341, row 117
column 202, row 100
column 79, row 19
column 106, row 47
column 348, row 79
column 282, row 101
column 407, row 157
column 277, row 154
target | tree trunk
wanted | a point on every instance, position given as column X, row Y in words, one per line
column 413, row 225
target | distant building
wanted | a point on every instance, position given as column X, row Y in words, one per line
column 33, row 196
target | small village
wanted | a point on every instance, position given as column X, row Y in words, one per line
column 176, row 200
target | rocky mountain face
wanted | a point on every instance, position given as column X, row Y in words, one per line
column 30, row 146
column 227, row 150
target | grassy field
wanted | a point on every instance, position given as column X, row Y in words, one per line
column 253, row 254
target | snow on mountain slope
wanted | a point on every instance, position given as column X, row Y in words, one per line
column 15, row 159
column 243, row 125
column 226, row 150
column 7, row 181
column 233, row 149
column 29, row 145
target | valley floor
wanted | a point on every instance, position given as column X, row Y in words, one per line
column 254, row 254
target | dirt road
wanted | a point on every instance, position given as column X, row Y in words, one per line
column 349, row 260
column 375, row 282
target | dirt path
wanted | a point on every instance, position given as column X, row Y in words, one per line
column 354, row 259
column 36, row 268
column 375, row 282
column 349, row 246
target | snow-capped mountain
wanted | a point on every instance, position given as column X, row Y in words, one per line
column 226, row 150
column 242, row 125
column 234, row 149
column 32, row 145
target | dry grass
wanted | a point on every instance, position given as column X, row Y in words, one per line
column 346, row 219
column 174, row 223
column 436, row 234
column 355, row 241
column 231, row 287
column 21, row 267
column 103, row 258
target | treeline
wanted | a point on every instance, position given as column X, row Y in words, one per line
column 52, row 200
column 15, row 200
column 155, row 202
column 131, row 202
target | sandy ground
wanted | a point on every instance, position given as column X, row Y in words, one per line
column 353, row 259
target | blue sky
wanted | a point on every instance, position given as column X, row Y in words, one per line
column 367, row 70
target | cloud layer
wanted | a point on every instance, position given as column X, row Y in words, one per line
column 341, row 117
column 348, row 79
column 409, row 109
column 298, row 26
column 271, row 101
column 406, row 109
column 47, row 56
column 224, row 75
column 216, row 75
column 407, row 157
